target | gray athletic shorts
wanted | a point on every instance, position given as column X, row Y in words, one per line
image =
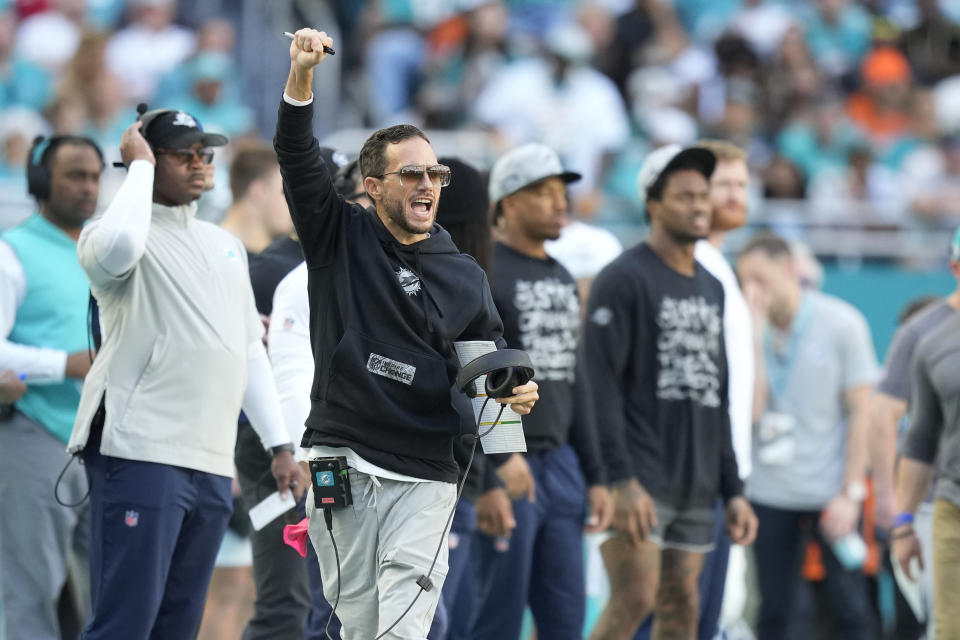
column 689, row 529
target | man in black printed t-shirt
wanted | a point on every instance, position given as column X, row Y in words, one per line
column 561, row 475
column 654, row 353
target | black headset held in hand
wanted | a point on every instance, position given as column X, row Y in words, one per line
column 505, row 369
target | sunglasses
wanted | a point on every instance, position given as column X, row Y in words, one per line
column 412, row 174
column 185, row 156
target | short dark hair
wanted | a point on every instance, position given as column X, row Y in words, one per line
column 372, row 160
column 252, row 162
column 67, row 140
column 772, row 245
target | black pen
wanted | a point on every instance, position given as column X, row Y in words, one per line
column 326, row 49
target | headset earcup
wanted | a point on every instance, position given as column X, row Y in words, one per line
column 500, row 383
column 38, row 181
column 38, row 177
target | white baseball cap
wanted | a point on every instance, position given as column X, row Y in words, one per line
column 673, row 156
column 523, row 166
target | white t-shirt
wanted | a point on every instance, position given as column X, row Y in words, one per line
column 583, row 249
column 582, row 119
column 140, row 56
column 738, row 338
column 292, row 358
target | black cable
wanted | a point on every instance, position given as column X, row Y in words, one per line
column 56, row 487
column 90, row 328
column 328, row 518
column 424, row 581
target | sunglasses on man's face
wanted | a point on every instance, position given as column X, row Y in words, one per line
column 186, row 156
column 412, row 174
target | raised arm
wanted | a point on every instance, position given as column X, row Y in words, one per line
column 317, row 211
column 112, row 244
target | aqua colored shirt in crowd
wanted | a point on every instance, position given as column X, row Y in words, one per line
column 53, row 314
column 25, row 84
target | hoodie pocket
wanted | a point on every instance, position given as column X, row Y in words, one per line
column 385, row 384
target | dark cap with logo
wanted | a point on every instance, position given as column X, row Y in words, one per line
column 170, row 129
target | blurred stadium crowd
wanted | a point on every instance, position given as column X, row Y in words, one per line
column 850, row 106
column 849, row 111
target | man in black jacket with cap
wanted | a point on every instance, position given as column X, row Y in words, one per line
column 390, row 294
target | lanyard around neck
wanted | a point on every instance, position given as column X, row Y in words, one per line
column 780, row 364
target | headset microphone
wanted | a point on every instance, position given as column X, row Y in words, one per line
column 142, row 109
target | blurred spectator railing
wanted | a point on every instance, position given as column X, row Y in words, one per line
column 851, row 232
column 856, row 233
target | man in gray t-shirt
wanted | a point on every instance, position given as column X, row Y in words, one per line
column 809, row 457
column 891, row 399
column 934, row 435
column 889, row 404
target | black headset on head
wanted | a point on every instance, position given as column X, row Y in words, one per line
column 146, row 117
column 38, row 161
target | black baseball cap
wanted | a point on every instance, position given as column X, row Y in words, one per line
column 170, row 129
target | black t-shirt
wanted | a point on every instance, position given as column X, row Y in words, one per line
column 538, row 303
column 269, row 267
column 654, row 350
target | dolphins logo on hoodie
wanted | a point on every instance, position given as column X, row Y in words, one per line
column 409, row 281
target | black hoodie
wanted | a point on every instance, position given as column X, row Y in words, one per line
column 383, row 320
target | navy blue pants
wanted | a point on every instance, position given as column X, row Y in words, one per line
column 541, row 564
column 155, row 530
column 713, row 578
column 452, row 620
column 780, row 549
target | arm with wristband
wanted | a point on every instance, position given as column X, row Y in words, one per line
column 915, row 469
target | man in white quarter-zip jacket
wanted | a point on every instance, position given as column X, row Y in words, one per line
column 181, row 354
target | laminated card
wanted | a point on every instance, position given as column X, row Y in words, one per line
column 507, row 436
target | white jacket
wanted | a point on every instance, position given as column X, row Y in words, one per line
column 180, row 332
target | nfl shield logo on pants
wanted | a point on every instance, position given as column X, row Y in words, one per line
column 131, row 518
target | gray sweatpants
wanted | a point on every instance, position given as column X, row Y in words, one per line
column 386, row 541
column 38, row 535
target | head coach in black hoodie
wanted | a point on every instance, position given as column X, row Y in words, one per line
column 389, row 295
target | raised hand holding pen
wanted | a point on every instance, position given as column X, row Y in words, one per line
column 306, row 51
column 328, row 50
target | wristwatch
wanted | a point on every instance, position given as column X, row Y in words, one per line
column 856, row 491
column 280, row 448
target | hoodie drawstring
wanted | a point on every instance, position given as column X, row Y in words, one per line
column 370, row 491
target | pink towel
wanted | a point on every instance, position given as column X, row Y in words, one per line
column 296, row 536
